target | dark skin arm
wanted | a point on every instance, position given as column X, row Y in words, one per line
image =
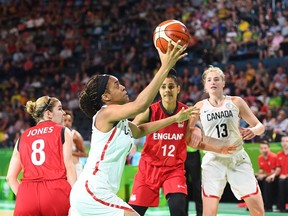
column 79, row 142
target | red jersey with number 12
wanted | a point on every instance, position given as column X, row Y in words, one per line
column 167, row 146
column 41, row 152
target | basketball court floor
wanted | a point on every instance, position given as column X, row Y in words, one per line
column 225, row 209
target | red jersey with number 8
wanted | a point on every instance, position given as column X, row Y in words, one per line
column 41, row 152
column 167, row 146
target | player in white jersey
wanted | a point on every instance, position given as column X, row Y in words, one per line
column 106, row 101
column 219, row 117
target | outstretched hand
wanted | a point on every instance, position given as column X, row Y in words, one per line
column 186, row 114
column 172, row 55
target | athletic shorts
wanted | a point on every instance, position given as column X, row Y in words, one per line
column 43, row 198
column 236, row 169
column 149, row 180
column 94, row 198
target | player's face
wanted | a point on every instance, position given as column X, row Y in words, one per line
column 264, row 149
column 214, row 82
column 169, row 90
column 116, row 92
column 284, row 142
column 57, row 113
column 67, row 121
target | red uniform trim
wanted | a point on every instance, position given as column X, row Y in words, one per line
column 95, row 171
column 209, row 196
column 248, row 195
column 103, row 202
column 104, row 151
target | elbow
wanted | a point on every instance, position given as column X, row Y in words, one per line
column 9, row 179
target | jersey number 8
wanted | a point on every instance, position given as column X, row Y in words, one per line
column 38, row 155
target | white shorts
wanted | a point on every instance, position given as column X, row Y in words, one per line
column 95, row 201
column 236, row 169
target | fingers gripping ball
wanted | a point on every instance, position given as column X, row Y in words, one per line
column 173, row 30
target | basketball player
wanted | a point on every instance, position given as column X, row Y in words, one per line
column 78, row 147
column 163, row 157
column 44, row 154
column 219, row 116
column 106, row 101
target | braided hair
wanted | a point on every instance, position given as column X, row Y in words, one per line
column 90, row 98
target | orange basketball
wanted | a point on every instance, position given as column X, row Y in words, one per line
column 173, row 30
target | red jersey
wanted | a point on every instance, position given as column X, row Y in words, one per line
column 267, row 164
column 41, row 152
column 282, row 162
column 167, row 146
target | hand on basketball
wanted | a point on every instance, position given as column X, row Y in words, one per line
column 185, row 114
column 172, row 55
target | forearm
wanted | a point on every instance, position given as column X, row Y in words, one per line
column 258, row 129
column 71, row 174
column 14, row 184
column 207, row 147
column 79, row 154
column 146, row 97
column 151, row 127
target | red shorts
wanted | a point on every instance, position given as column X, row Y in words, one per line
column 43, row 198
column 149, row 179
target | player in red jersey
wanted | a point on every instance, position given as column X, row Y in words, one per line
column 44, row 154
column 162, row 159
column 267, row 164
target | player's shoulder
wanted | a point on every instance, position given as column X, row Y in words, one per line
column 199, row 104
column 180, row 104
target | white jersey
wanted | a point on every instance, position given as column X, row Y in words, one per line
column 108, row 152
column 94, row 193
column 221, row 123
column 221, row 127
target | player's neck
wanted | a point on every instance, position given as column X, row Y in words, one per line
column 217, row 100
column 169, row 107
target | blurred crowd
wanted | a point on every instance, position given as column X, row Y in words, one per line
column 52, row 47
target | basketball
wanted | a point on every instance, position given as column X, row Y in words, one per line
column 173, row 30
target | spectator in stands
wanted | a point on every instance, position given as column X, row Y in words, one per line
column 275, row 100
column 269, row 122
column 44, row 154
column 78, row 147
column 281, row 125
column 267, row 165
column 274, row 48
column 282, row 171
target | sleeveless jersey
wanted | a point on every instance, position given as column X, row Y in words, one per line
column 221, row 123
column 107, row 155
column 41, row 152
column 167, row 146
